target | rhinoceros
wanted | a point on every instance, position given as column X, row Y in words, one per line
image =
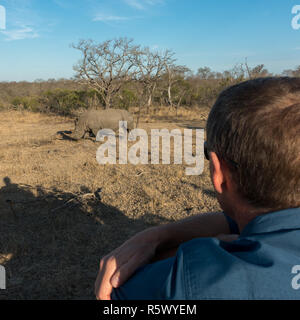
column 94, row 120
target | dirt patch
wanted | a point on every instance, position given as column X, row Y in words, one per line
column 61, row 211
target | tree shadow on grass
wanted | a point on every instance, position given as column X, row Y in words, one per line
column 51, row 241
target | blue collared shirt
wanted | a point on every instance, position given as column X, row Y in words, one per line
column 263, row 263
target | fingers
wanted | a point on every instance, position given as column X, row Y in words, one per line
column 126, row 270
column 117, row 267
column 97, row 286
column 103, row 287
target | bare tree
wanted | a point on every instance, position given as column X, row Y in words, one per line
column 234, row 75
column 175, row 75
column 106, row 66
column 151, row 66
column 256, row 72
column 242, row 71
column 204, row 73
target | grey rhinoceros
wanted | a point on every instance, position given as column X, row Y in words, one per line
column 94, row 120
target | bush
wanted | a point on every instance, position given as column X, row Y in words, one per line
column 27, row 103
column 59, row 101
column 126, row 99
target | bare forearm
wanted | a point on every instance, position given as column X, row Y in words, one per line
column 202, row 225
column 154, row 244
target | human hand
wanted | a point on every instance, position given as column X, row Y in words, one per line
column 117, row 266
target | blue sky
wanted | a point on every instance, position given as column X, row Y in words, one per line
column 214, row 33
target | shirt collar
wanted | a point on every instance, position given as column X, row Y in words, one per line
column 287, row 219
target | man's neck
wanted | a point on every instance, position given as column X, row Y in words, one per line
column 243, row 213
column 243, row 217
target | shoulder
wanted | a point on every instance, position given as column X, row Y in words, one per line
column 211, row 270
column 203, row 268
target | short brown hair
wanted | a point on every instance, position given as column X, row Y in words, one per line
column 256, row 124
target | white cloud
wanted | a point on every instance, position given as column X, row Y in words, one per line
column 61, row 3
column 23, row 20
column 106, row 18
column 135, row 4
column 143, row 4
column 24, row 32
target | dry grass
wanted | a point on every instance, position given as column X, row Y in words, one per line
column 61, row 211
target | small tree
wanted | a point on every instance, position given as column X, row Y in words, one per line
column 256, row 72
column 106, row 66
column 175, row 74
column 205, row 73
column 151, row 66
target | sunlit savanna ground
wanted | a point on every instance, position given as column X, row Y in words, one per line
column 60, row 211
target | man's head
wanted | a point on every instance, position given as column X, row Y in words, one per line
column 253, row 134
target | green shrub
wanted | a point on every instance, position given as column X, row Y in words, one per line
column 27, row 103
column 61, row 102
column 126, row 99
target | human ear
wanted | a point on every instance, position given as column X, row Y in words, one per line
column 221, row 175
column 216, row 173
